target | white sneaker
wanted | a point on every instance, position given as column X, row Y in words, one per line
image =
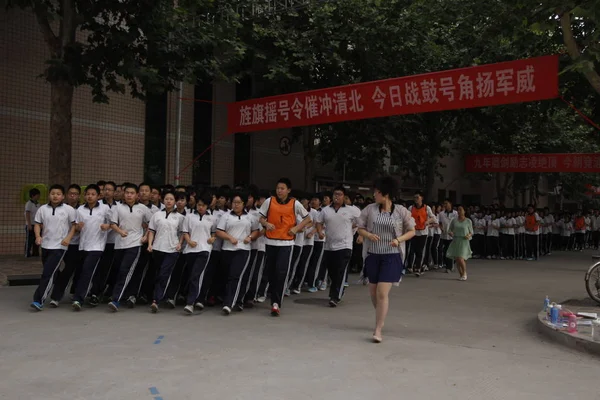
column 296, row 291
column 323, row 286
column 462, row 278
column 54, row 304
column 171, row 303
column 189, row 309
column 226, row 310
column 199, row 306
column 261, row 299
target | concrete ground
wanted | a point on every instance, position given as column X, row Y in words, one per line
column 444, row 339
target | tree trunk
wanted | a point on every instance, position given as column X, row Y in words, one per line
column 59, row 166
column 430, row 180
column 308, row 144
column 502, row 187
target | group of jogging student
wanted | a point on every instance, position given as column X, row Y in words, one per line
column 130, row 244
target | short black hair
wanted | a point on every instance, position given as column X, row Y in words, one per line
column 239, row 194
column 100, row 183
column 182, row 195
column 168, row 188
column 328, row 194
column 34, row 192
column 111, row 183
column 93, row 186
column 317, row 196
column 264, row 194
column 286, row 181
column 387, row 186
column 418, row 192
column 205, row 197
column 169, row 192
column 56, row 186
column 155, row 187
column 448, row 200
column 144, row 184
column 75, row 186
column 131, row 186
column 340, row 188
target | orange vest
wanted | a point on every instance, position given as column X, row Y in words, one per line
column 531, row 224
column 580, row 224
column 283, row 216
column 420, row 216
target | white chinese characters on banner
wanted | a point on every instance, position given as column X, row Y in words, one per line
column 284, row 110
column 245, row 116
column 271, row 112
column 326, row 104
column 340, row 101
column 297, row 108
column 411, row 94
column 355, row 105
column 505, row 81
column 258, row 114
column 447, row 87
column 525, row 80
column 485, row 85
column 379, row 97
column 466, row 88
column 429, row 91
column 311, row 107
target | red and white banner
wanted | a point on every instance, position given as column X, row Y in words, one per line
column 486, row 85
column 533, row 163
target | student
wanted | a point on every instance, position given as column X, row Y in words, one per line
column 253, row 266
column 278, row 215
column 128, row 220
column 100, row 185
column 73, row 257
column 461, row 230
column 260, row 279
column 532, row 230
column 435, row 230
column 509, row 243
column 156, row 197
column 445, row 217
column 93, row 222
column 479, row 224
column 178, row 284
column 119, row 189
column 216, row 270
column 316, row 258
column 57, row 222
column 141, row 287
column 340, row 220
column 493, row 237
column 31, row 207
column 106, row 273
column 199, row 233
column 237, row 229
column 386, row 227
column 423, row 216
column 307, row 249
column 164, row 242
column 296, row 253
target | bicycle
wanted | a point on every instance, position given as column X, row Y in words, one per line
column 592, row 280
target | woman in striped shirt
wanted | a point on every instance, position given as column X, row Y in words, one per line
column 385, row 227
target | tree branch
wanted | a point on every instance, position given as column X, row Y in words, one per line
column 41, row 14
column 589, row 72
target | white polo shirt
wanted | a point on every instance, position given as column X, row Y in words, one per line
column 299, row 239
column 256, row 215
column 318, row 219
column 314, row 215
column 445, row 219
column 549, row 221
column 32, row 208
column 131, row 220
column 299, row 210
column 166, row 227
column 92, row 237
column 493, row 228
column 238, row 226
column 479, row 226
column 111, row 237
column 57, row 222
column 339, row 226
column 217, row 215
column 200, row 228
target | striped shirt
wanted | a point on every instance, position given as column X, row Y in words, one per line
column 384, row 228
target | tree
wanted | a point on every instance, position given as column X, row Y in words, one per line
column 144, row 46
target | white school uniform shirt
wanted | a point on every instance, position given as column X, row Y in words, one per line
column 314, row 215
column 166, row 227
column 430, row 215
column 430, row 228
column 549, row 221
column 200, row 228
column 521, row 222
column 566, row 228
column 556, row 227
column 479, row 225
column 32, row 208
column 91, row 236
column 493, row 228
column 445, row 220
column 318, row 220
column 588, row 224
column 510, row 222
column 256, row 215
column 131, row 220
column 299, row 239
column 595, row 223
column 57, row 222
column 340, row 226
column 217, row 215
column 299, row 210
column 238, row 226
column 111, row 236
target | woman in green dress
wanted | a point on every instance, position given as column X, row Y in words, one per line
column 461, row 230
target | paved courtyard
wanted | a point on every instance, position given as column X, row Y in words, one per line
column 444, row 339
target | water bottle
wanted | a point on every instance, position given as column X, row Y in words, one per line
column 572, row 323
column 546, row 303
column 554, row 315
column 549, row 314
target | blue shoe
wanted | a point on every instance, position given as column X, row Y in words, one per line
column 114, row 306
column 37, row 306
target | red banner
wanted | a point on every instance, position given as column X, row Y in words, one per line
column 533, row 163
column 592, row 190
column 487, row 85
